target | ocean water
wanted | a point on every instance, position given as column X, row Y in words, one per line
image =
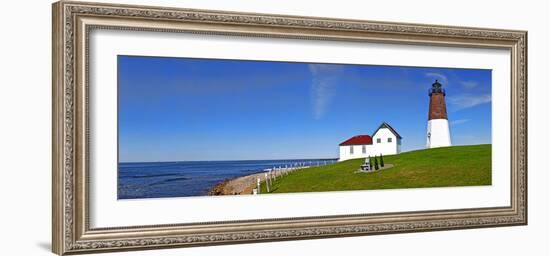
column 190, row 178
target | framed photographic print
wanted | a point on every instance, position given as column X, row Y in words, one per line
column 178, row 127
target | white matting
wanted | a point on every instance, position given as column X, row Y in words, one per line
column 107, row 211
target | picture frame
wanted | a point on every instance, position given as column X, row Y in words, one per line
column 72, row 210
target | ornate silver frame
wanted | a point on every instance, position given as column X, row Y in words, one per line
column 72, row 21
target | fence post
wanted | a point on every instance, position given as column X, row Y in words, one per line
column 266, row 182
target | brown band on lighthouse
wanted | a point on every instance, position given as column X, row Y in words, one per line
column 438, row 110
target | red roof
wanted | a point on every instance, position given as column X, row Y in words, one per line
column 358, row 140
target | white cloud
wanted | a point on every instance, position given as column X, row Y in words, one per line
column 468, row 100
column 469, row 84
column 459, row 121
column 325, row 69
column 442, row 78
column 322, row 87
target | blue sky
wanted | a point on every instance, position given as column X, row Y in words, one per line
column 182, row 109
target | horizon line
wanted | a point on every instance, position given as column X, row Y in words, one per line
column 226, row 160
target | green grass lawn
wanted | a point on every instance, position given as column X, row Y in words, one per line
column 438, row 167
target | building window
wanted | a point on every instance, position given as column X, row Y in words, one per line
column 364, row 149
column 378, row 140
column 389, row 139
column 351, row 150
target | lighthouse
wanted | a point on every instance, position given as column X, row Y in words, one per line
column 438, row 134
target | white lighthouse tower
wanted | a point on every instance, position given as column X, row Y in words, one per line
column 438, row 125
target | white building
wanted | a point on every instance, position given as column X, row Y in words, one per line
column 385, row 141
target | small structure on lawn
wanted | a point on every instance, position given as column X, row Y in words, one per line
column 366, row 166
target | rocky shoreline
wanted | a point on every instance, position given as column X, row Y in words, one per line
column 237, row 186
column 245, row 184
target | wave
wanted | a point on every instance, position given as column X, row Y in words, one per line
column 168, row 181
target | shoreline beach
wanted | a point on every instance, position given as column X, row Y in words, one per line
column 244, row 185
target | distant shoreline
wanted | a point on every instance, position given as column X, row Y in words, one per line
column 225, row 161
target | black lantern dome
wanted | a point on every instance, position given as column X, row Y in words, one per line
column 436, row 88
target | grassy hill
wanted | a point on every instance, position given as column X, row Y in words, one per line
column 438, row 167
